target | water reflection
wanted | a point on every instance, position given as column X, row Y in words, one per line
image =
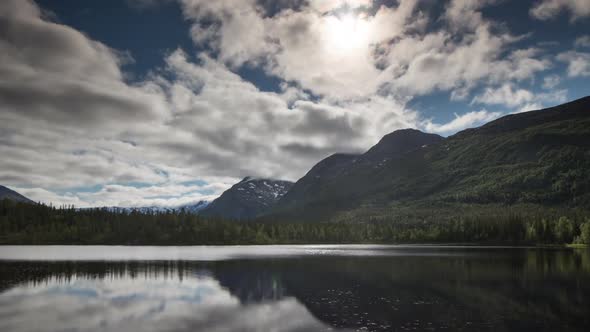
column 468, row 290
column 138, row 297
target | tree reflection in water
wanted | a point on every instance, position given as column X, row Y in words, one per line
column 466, row 289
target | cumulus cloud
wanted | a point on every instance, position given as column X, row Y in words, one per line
column 549, row 9
column 347, row 68
column 167, row 195
column 467, row 120
column 48, row 69
column 582, row 41
column 504, row 95
column 529, row 107
column 458, row 62
column 361, row 53
column 262, row 122
column 520, row 99
column 551, row 81
column 342, row 45
column 153, row 301
column 82, row 125
column 578, row 63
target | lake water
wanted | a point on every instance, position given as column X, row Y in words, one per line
column 293, row 288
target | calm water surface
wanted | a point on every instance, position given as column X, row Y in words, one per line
column 293, row 288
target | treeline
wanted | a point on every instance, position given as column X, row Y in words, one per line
column 39, row 224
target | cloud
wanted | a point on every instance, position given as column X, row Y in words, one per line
column 467, row 120
column 549, row 9
column 153, row 301
column 359, row 54
column 169, row 195
column 240, row 127
column 48, row 69
column 551, row 81
column 71, row 121
column 578, row 63
column 342, row 46
column 459, row 62
column 582, row 41
column 521, row 100
column 529, row 107
column 504, row 95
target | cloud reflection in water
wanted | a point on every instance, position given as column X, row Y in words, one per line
column 155, row 303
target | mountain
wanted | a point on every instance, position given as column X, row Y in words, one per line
column 6, row 193
column 352, row 171
column 192, row 208
column 533, row 160
column 248, row 198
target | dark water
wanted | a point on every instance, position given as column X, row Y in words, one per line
column 294, row 288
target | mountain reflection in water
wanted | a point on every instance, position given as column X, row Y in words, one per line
column 471, row 290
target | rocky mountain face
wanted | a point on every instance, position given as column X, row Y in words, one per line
column 248, row 199
column 539, row 158
column 10, row 194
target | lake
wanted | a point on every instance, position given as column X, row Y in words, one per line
column 293, row 288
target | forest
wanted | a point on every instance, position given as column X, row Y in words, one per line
column 22, row 223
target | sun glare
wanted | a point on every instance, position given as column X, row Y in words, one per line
column 346, row 33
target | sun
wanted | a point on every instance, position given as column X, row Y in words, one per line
column 346, row 32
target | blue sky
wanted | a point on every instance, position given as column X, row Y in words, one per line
column 143, row 102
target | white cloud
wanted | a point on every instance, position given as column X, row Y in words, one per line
column 360, row 53
column 549, row 9
column 582, row 41
column 169, row 195
column 460, row 122
column 552, row 98
column 578, row 63
column 156, row 301
column 443, row 62
column 342, row 45
column 520, row 99
column 200, row 120
column 504, row 95
column 551, row 81
column 70, row 119
column 529, row 107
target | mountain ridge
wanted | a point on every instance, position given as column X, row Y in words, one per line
column 535, row 158
column 193, row 208
column 247, row 199
column 7, row 193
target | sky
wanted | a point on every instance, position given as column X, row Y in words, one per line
column 168, row 102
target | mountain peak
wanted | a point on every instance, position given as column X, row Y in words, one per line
column 257, row 179
column 400, row 142
column 6, row 193
column 248, row 198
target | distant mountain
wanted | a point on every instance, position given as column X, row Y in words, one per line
column 193, row 208
column 6, row 193
column 248, row 198
column 539, row 158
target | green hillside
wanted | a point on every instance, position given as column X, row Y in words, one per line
column 529, row 163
